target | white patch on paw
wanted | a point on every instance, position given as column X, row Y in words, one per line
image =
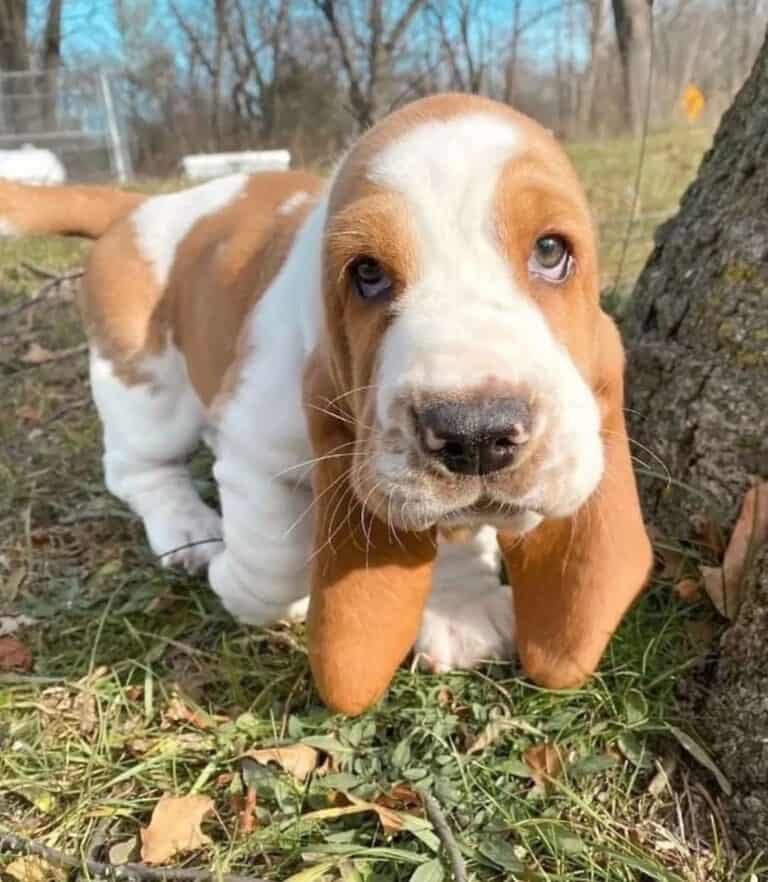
column 462, row 629
column 179, row 526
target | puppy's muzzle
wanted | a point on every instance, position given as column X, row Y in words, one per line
column 476, row 437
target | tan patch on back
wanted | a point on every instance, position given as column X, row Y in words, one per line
column 224, row 266
column 119, row 301
column 221, row 268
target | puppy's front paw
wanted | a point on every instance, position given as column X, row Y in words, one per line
column 180, row 535
column 253, row 598
column 460, row 630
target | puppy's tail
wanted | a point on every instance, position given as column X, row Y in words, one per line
column 86, row 211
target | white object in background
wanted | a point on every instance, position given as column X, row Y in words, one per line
column 200, row 166
column 32, row 165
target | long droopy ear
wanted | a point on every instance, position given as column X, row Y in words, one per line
column 573, row 579
column 369, row 585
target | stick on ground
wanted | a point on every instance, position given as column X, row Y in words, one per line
column 440, row 823
column 17, row 845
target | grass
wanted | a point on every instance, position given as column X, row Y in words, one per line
column 608, row 169
column 91, row 737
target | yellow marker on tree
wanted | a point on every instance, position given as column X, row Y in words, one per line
column 693, row 102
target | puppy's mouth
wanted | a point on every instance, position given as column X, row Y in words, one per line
column 486, row 510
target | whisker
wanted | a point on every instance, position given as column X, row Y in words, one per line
column 308, row 463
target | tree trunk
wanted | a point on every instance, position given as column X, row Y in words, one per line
column 13, row 35
column 697, row 335
column 632, row 19
column 51, row 61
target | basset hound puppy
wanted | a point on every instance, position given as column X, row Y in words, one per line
column 403, row 373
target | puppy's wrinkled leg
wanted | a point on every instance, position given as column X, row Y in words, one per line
column 151, row 425
column 469, row 616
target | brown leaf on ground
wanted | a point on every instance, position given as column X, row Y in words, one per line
column 709, row 533
column 391, row 821
column 245, row 807
column 725, row 585
column 28, row 414
column 14, row 655
column 34, row 869
column 12, row 624
column 87, row 712
column 688, row 590
column 175, row 827
column 545, row 765
column 36, row 354
column 673, row 563
column 490, row 734
column 400, row 797
column 178, row 712
column 299, row 760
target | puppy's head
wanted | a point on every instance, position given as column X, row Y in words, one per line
column 463, row 320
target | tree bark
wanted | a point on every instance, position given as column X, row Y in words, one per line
column 697, row 335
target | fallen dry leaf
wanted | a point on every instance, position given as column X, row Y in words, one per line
column 391, row 821
column 709, row 532
column 298, row 759
column 245, row 806
column 178, row 712
column 544, row 763
column 673, row 563
column 399, row 797
column 14, row 655
column 490, row 735
column 28, row 414
column 123, row 852
column 175, row 827
column 725, row 585
column 87, row 714
column 36, row 354
column 688, row 590
column 34, row 869
column 11, row 624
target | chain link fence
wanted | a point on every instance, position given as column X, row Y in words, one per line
column 72, row 113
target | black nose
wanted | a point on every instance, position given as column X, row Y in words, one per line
column 475, row 438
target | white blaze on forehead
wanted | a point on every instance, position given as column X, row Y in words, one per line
column 459, row 318
column 448, row 170
column 162, row 222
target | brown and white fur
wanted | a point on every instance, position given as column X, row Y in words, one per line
column 231, row 312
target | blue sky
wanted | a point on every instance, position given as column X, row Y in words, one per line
column 90, row 26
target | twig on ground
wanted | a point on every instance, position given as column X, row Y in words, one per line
column 440, row 823
column 41, row 294
column 12, row 844
column 189, row 545
column 55, row 417
column 61, row 355
column 41, row 271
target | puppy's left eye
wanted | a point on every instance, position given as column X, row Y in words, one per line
column 370, row 280
column 551, row 259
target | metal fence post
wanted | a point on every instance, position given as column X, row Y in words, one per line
column 122, row 160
